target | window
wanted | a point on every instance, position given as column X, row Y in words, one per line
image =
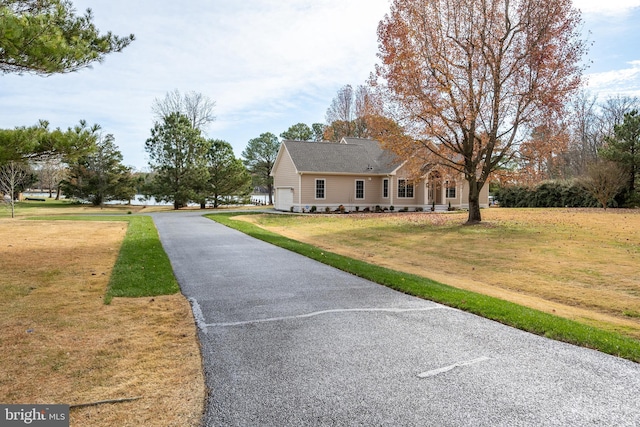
column 359, row 189
column 405, row 189
column 451, row 190
column 320, row 185
column 385, row 188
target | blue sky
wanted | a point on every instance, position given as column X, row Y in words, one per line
column 268, row 64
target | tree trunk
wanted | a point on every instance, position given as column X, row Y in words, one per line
column 474, row 202
column 270, row 187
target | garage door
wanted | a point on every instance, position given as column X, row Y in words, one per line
column 284, row 198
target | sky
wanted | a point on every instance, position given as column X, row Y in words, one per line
column 267, row 64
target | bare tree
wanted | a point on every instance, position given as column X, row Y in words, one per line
column 198, row 108
column 604, row 179
column 590, row 123
column 340, row 114
column 12, row 176
column 614, row 109
column 50, row 173
column 349, row 113
column 586, row 135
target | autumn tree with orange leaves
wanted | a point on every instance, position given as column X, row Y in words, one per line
column 541, row 155
column 467, row 79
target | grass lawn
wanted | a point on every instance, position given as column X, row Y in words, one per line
column 62, row 344
column 571, row 275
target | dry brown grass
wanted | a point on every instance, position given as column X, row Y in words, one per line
column 579, row 264
column 61, row 344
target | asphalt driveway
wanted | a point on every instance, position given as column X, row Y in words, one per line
column 288, row 341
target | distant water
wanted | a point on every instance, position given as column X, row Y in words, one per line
column 140, row 200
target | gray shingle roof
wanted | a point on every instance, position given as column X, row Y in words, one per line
column 353, row 156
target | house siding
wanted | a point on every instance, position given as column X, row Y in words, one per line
column 297, row 187
column 287, row 177
column 340, row 190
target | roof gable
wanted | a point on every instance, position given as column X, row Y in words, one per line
column 351, row 156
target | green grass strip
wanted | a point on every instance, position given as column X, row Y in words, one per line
column 505, row 312
column 143, row 268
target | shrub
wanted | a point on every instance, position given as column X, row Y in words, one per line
column 313, row 209
column 327, row 209
column 548, row 194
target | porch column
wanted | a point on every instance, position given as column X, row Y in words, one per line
column 426, row 192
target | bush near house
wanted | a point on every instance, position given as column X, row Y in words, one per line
column 549, row 194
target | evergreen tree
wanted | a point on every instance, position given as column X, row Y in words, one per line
column 260, row 156
column 623, row 148
column 298, row 132
column 47, row 37
column 177, row 156
column 100, row 176
column 228, row 176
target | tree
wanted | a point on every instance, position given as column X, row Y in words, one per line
column 603, row 180
column 586, row 135
column 348, row 114
column 177, row 156
column 39, row 143
column 624, row 148
column 318, row 132
column 340, row 114
column 13, row 177
column 47, row 37
column 614, row 110
column 298, row 132
column 260, row 156
column 228, row 176
column 100, row 176
column 465, row 78
column 540, row 156
column 197, row 107
column 51, row 172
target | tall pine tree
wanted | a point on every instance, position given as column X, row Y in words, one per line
column 623, row 148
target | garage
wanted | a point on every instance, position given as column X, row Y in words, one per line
column 284, row 198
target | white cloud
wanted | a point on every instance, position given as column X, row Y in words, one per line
column 610, row 7
column 268, row 64
column 624, row 81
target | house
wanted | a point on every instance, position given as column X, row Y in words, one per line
column 358, row 174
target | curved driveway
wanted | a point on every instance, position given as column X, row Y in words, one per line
column 288, row 341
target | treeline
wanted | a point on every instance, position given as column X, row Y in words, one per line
column 591, row 158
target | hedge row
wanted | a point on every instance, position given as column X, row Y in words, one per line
column 550, row 194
